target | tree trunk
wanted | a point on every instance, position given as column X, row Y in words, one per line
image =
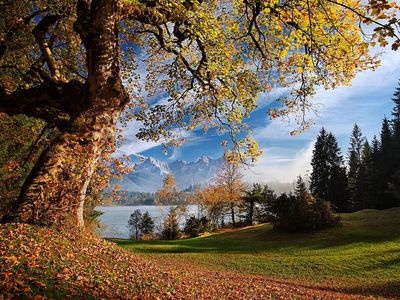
column 251, row 212
column 233, row 214
column 54, row 192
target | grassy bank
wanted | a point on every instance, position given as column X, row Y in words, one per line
column 361, row 256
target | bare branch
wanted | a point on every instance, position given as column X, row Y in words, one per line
column 39, row 32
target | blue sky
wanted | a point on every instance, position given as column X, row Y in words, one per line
column 366, row 102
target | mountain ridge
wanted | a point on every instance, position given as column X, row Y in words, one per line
column 149, row 174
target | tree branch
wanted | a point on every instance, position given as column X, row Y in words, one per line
column 57, row 104
column 39, row 32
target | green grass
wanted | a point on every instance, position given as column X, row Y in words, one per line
column 362, row 254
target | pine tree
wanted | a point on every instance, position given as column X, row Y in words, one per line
column 385, row 167
column 364, row 186
column 394, row 181
column 300, row 188
column 328, row 180
column 354, row 162
column 386, row 143
column 263, row 213
column 337, row 186
column 396, row 130
column 146, row 224
column 396, row 109
column 375, row 194
column 251, row 197
column 319, row 179
column 394, row 188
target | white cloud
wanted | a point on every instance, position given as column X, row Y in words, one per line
column 131, row 144
column 279, row 164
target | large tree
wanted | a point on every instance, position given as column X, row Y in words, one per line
column 354, row 163
column 74, row 64
column 375, row 195
column 364, row 183
column 256, row 202
column 337, row 192
column 395, row 182
column 328, row 180
column 385, row 166
column 229, row 180
column 319, row 180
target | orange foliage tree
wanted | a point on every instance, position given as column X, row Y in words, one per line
column 212, row 203
column 229, row 181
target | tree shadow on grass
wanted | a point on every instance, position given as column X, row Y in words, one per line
column 386, row 290
column 265, row 240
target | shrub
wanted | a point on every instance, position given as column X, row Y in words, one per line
column 301, row 211
column 196, row 226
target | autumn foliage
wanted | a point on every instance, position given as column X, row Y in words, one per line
column 39, row 262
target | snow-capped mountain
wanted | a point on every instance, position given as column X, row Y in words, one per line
column 148, row 175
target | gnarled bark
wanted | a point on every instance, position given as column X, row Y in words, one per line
column 55, row 190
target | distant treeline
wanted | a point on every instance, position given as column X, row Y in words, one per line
column 369, row 177
column 130, row 198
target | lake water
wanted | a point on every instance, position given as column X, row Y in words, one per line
column 115, row 218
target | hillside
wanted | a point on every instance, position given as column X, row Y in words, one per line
column 42, row 263
column 361, row 257
column 359, row 260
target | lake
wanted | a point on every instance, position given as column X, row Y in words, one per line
column 115, row 218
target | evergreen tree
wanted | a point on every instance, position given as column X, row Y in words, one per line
column 319, row 179
column 386, row 144
column 394, row 188
column 328, row 180
column 385, row 167
column 250, row 199
column 396, row 109
column 263, row 213
column 354, row 162
column 301, row 211
column 364, row 184
column 337, row 184
column 338, row 193
column 300, row 188
column 394, row 181
column 146, row 224
column 196, row 226
column 374, row 196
